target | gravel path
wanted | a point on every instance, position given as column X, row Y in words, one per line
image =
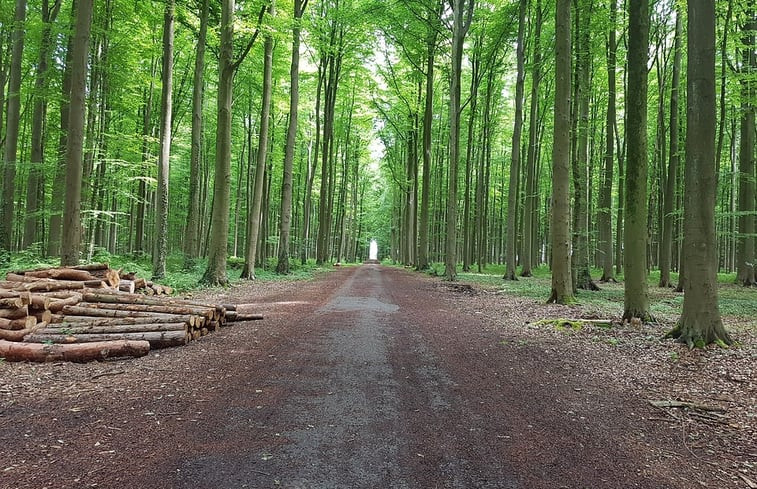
column 364, row 378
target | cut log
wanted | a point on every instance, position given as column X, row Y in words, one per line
column 126, row 286
column 210, row 313
column 61, row 274
column 98, row 312
column 39, row 302
column 65, row 329
column 80, row 321
column 84, row 352
column 234, row 316
column 42, row 316
column 11, row 303
column 93, row 267
column 58, row 305
column 157, row 339
column 17, row 324
column 20, row 334
column 17, row 313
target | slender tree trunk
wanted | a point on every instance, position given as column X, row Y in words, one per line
column 512, row 199
column 285, row 225
column 58, row 191
column 671, row 180
column 580, row 259
column 746, row 222
column 462, row 14
column 635, row 232
column 428, row 116
column 562, row 287
column 530, row 207
column 219, row 224
column 604, row 213
column 11, row 131
column 71, row 238
column 160, row 248
column 254, row 217
column 192, row 234
column 700, row 323
column 36, row 171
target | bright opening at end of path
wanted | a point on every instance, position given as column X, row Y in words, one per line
column 373, row 250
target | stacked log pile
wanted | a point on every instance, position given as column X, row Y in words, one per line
column 83, row 313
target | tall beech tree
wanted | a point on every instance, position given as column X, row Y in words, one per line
column 462, row 15
column 215, row 274
column 700, row 323
column 12, row 130
column 285, row 224
column 635, row 227
column 254, row 216
column 71, row 237
column 160, row 247
column 562, row 284
column 512, row 200
column 671, row 179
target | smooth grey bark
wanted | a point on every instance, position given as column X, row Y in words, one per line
column 530, row 201
column 604, row 212
column 562, row 286
column 580, row 259
column 700, row 323
column 160, row 248
column 13, row 114
column 746, row 232
column 512, row 198
column 462, row 15
column 58, row 191
column 71, row 236
column 285, row 224
column 39, row 111
column 216, row 274
column 192, row 235
column 636, row 297
column 671, row 180
column 254, row 216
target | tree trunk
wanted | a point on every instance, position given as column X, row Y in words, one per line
column 671, row 180
column 512, row 199
column 160, row 249
column 215, row 274
column 36, row 171
column 192, row 234
column 285, row 224
column 71, row 240
column 530, row 207
column 604, row 213
column 562, row 287
column 746, row 241
column 11, row 132
column 700, row 323
column 254, row 216
column 635, row 229
column 428, row 116
column 462, row 14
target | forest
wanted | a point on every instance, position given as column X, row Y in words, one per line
column 599, row 138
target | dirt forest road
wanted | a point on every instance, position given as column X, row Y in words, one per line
column 364, row 378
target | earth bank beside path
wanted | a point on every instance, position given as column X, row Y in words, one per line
column 365, row 377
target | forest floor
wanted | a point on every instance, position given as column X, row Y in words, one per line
column 377, row 377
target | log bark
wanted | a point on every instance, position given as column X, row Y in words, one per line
column 79, row 321
column 58, row 305
column 85, row 352
column 208, row 312
column 17, row 324
column 61, row 274
column 127, row 286
column 233, row 316
column 156, row 339
column 16, row 313
column 65, row 329
column 108, row 313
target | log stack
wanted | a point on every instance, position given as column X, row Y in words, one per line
column 66, row 307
